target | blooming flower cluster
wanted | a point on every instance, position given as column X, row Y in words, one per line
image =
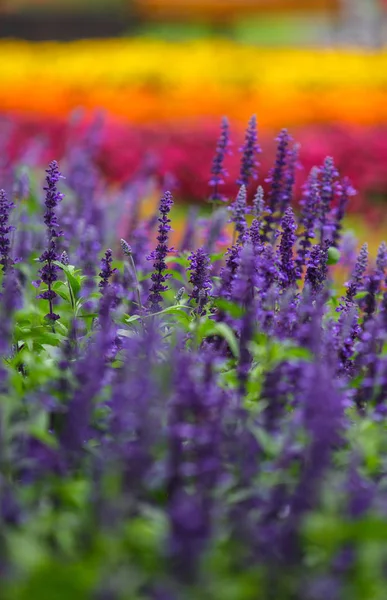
column 209, row 423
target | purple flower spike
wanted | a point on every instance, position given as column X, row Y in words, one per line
column 329, row 176
column 239, row 210
column 159, row 277
column 106, row 270
column 5, row 229
column 276, row 181
column 357, row 275
column 200, row 275
column 259, row 203
column 53, row 198
column 287, row 271
column 218, row 171
column 249, row 164
column 344, row 191
column 48, row 273
column 317, row 270
column 309, row 203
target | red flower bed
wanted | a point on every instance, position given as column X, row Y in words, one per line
column 184, row 152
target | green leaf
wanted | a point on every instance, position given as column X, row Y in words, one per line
column 231, row 308
column 333, row 256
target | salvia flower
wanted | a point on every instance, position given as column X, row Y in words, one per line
column 344, row 191
column 159, row 277
column 287, row 271
column 199, row 269
column 48, row 273
column 106, row 270
column 329, row 175
column 317, row 270
column 126, row 249
column 276, row 182
column 249, row 164
column 357, row 275
column 218, row 170
column 309, row 215
column 5, row 229
column 239, row 210
column 64, row 258
column 259, row 203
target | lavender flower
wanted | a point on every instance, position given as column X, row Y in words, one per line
column 5, row 229
column 344, row 191
column 200, row 275
column 357, row 275
column 159, row 277
column 276, row 181
column 309, row 203
column 106, row 270
column 239, row 210
column 289, row 177
column 49, row 271
column 250, row 148
column 381, row 260
column 228, row 272
column 329, row 175
column 218, row 171
column 259, row 203
column 287, row 271
column 317, row 270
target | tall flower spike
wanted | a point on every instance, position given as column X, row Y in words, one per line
column 317, row 270
column 218, row 171
column 276, row 181
column 357, row 275
column 381, row 260
column 309, row 203
column 329, row 176
column 287, row 271
column 106, row 270
column 5, row 229
column 48, row 273
column 239, row 210
column 344, row 191
column 159, row 277
column 259, row 203
column 200, row 275
column 289, row 177
column 249, row 164
column 228, row 272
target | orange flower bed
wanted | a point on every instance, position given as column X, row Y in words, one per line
column 148, row 81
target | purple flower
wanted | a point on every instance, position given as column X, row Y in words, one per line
column 317, row 270
column 159, row 277
column 329, row 175
column 289, row 177
column 239, row 210
column 250, row 148
column 218, row 171
column 357, row 276
column 200, row 267
column 276, row 181
column 259, row 203
column 309, row 215
column 106, row 270
column 287, row 271
column 5, row 229
column 48, row 273
column 344, row 191
column 228, row 272
column 381, row 260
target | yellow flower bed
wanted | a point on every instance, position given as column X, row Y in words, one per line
column 147, row 80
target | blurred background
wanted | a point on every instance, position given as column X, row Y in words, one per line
column 149, row 80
